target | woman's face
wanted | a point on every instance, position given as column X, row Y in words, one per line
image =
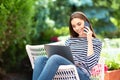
column 78, row 25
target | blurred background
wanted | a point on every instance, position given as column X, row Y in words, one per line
column 42, row 21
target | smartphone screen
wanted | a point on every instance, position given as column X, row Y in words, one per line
column 86, row 24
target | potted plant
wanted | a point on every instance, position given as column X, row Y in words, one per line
column 113, row 63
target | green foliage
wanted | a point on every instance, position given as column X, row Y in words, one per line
column 114, row 34
column 13, row 57
column 15, row 20
column 112, row 61
column 64, row 31
column 111, row 53
column 55, row 13
column 110, row 23
column 49, row 18
column 16, row 28
column 52, row 32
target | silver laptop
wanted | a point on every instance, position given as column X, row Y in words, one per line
column 61, row 50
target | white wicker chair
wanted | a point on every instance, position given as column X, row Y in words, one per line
column 65, row 72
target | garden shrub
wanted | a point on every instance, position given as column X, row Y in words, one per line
column 16, row 29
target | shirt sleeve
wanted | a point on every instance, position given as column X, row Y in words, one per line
column 67, row 42
column 94, row 58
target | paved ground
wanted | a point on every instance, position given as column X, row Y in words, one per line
column 17, row 76
column 23, row 73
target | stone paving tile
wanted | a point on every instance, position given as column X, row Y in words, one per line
column 18, row 76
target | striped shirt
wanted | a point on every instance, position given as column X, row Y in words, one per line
column 79, row 51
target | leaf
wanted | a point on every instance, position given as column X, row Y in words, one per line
column 110, row 27
column 98, row 13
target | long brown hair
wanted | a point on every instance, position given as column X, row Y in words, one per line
column 82, row 16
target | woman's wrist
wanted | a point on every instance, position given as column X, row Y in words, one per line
column 89, row 39
column 90, row 47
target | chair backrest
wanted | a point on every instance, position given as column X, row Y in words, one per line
column 34, row 51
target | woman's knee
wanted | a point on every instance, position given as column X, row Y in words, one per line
column 55, row 58
column 40, row 59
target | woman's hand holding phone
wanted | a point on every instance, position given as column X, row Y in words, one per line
column 87, row 30
column 89, row 38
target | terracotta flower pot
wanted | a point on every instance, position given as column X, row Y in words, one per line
column 112, row 75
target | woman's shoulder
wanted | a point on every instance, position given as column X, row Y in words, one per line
column 71, row 40
column 97, row 41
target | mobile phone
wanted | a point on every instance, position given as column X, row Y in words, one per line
column 86, row 24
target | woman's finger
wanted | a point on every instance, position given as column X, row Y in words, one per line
column 85, row 30
column 87, row 27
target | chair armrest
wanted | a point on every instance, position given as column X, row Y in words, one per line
column 68, row 72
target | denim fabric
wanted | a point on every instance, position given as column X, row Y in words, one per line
column 45, row 68
column 82, row 74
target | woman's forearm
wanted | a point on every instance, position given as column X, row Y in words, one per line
column 90, row 50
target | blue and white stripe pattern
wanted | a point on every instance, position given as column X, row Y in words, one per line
column 79, row 51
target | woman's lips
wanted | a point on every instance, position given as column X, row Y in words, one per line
column 80, row 31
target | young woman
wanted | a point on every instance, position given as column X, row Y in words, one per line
column 85, row 48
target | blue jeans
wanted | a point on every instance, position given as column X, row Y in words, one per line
column 45, row 68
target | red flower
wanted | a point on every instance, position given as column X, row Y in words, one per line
column 96, row 70
column 54, row 39
column 105, row 68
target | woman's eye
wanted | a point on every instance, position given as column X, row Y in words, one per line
column 79, row 24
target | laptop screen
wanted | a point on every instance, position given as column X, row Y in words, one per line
column 61, row 50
